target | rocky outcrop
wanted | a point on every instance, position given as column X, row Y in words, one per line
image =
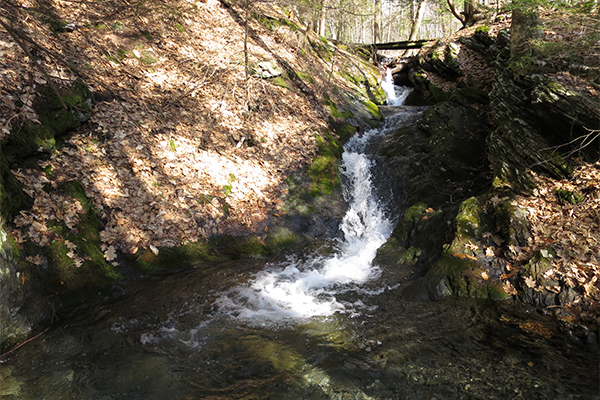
column 462, row 233
column 22, row 306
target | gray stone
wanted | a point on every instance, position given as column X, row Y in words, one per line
column 267, row 69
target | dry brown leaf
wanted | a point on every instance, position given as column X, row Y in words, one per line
column 530, row 281
column 110, row 253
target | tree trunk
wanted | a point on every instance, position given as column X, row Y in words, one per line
column 471, row 9
column 322, row 18
column 416, row 25
column 376, row 21
column 524, row 28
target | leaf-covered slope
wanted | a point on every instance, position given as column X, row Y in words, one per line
column 180, row 146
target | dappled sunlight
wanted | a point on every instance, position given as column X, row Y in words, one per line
column 181, row 144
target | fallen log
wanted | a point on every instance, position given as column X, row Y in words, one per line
column 405, row 45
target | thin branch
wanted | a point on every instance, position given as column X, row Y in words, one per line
column 454, row 12
column 25, row 342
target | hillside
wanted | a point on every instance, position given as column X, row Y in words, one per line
column 179, row 145
column 133, row 128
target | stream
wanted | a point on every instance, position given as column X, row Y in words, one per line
column 321, row 322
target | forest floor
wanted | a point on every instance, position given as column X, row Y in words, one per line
column 180, row 145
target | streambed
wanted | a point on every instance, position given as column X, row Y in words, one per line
column 321, row 322
column 164, row 340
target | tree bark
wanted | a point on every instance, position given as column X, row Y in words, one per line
column 416, row 25
column 376, row 21
column 524, row 28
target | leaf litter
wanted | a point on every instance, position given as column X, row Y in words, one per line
column 175, row 120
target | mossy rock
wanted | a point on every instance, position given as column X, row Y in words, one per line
column 75, row 282
column 55, row 121
column 452, row 276
column 425, row 93
column 442, row 60
column 373, row 109
column 12, row 197
column 280, row 237
column 236, row 247
column 515, row 148
column 512, row 223
column 470, row 221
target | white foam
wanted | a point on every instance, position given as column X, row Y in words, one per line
column 395, row 95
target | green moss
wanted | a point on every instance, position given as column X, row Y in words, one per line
column 281, row 81
column 415, row 212
column 28, row 138
column 373, row 109
column 324, row 175
column 468, row 221
column 346, row 132
column 171, row 258
column 272, row 23
column 235, row 247
column 188, row 255
column 77, row 191
column 567, row 196
column 280, row 237
column 483, row 28
column 334, row 112
column 306, row 77
column 438, row 95
column 410, row 256
column 95, row 277
column 324, row 170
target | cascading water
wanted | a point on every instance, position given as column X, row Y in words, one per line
column 302, row 289
column 395, row 95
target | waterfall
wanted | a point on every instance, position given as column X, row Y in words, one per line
column 395, row 95
column 303, row 288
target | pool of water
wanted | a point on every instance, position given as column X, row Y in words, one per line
column 167, row 340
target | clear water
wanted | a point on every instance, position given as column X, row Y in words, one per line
column 324, row 324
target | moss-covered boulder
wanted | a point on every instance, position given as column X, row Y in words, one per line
column 58, row 113
column 463, row 258
column 443, row 59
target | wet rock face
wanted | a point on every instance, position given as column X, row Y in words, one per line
column 537, row 115
column 437, row 164
column 20, row 309
column 11, row 296
column 441, row 159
